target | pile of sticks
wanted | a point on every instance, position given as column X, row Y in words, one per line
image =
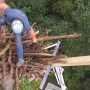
column 35, row 59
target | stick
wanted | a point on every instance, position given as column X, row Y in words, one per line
column 49, row 46
column 5, row 49
column 17, row 80
column 54, row 37
column 12, row 36
column 37, row 54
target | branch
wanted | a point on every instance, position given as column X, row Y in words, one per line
column 5, row 49
column 37, row 54
column 17, row 79
column 54, row 37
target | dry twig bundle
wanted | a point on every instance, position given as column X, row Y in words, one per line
column 35, row 58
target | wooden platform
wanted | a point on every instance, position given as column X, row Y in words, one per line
column 71, row 61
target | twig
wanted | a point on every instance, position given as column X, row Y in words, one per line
column 17, row 80
column 5, row 49
column 37, row 54
column 49, row 46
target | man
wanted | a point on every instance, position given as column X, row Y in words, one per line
column 18, row 20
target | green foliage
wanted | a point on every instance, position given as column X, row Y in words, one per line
column 76, row 78
column 52, row 79
column 1, row 88
column 63, row 8
column 35, row 84
column 81, row 17
column 25, row 85
column 61, row 28
column 38, row 7
column 86, row 84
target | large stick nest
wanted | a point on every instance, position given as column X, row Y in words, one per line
column 35, row 58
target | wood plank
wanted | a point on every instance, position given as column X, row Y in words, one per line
column 71, row 61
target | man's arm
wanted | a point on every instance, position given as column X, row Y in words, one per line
column 32, row 34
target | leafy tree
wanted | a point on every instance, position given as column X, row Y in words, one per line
column 63, row 17
column 63, row 8
column 81, row 17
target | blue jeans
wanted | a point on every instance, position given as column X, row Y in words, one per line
column 19, row 46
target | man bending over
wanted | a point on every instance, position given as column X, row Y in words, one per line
column 19, row 22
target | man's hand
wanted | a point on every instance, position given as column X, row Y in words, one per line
column 34, row 44
column 32, row 34
column 34, row 40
